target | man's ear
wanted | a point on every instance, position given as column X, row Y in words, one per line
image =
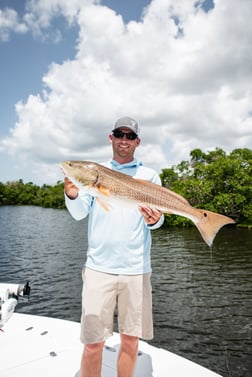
column 110, row 138
column 138, row 141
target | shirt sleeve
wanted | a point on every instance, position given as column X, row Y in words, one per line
column 79, row 207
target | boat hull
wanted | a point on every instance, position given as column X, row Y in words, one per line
column 33, row 345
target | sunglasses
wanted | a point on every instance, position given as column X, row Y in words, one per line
column 120, row 134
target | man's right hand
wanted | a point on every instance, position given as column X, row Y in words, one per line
column 70, row 189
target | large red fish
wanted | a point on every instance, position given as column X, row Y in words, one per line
column 114, row 188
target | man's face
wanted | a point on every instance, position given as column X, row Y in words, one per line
column 123, row 147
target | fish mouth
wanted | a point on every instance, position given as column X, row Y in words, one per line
column 62, row 168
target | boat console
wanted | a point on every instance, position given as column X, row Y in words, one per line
column 9, row 295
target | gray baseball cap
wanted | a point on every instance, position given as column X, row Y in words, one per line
column 128, row 123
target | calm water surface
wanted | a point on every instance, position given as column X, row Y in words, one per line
column 202, row 298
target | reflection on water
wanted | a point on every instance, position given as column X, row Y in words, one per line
column 201, row 298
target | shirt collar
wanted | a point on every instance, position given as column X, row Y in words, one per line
column 132, row 164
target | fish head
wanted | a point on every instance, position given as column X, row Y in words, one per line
column 81, row 173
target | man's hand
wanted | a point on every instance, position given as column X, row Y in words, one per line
column 151, row 215
column 70, row 189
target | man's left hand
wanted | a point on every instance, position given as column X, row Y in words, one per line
column 151, row 215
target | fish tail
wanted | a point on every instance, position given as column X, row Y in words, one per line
column 209, row 223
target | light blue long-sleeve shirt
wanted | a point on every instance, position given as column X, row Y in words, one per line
column 119, row 240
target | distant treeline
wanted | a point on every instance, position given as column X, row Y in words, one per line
column 215, row 181
column 20, row 193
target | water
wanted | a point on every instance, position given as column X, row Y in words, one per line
column 202, row 298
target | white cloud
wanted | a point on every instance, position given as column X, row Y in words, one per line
column 183, row 73
column 40, row 14
column 9, row 22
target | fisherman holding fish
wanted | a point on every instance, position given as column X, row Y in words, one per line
column 118, row 266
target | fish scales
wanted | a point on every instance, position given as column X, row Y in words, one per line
column 141, row 191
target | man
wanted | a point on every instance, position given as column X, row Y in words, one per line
column 118, row 267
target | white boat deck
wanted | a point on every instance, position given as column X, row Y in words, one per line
column 41, row 346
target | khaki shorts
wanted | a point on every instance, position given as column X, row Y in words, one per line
column 102, row 292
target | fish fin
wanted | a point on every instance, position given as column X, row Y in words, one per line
column 103, row 204
column 103, row 190
column 210, row 223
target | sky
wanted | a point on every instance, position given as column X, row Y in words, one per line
column 70, row 69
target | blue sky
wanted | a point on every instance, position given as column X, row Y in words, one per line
column 25, row 59
column 69, row 69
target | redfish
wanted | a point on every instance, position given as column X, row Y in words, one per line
column 114, row 188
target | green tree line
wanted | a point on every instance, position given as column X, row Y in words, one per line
column 215, row 181
column 20, row 193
